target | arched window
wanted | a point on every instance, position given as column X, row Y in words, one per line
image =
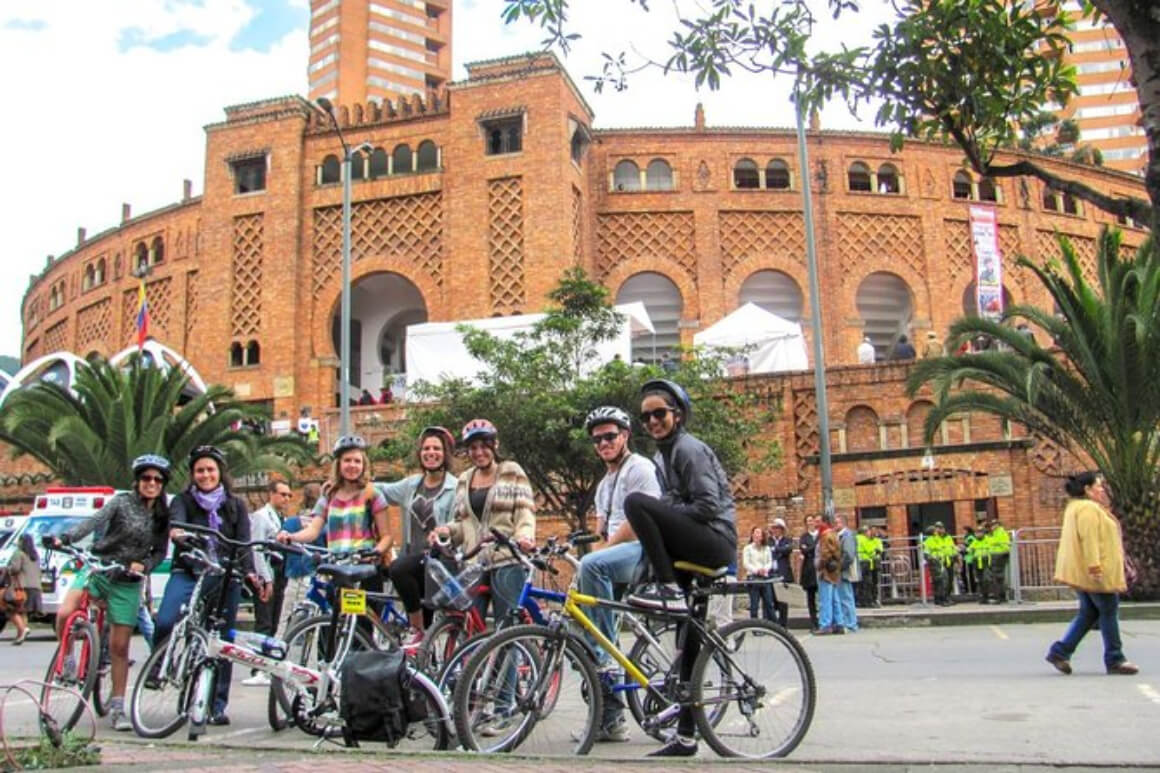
column 89, row 278
column 915, row 421
column 253, row 353
column 237, row 355
column 862, row 429
column 331, row 171
column 662, row 300
column 358, row 166
column 889, row 181
column 156, row 251
column 140, row 257
column 99, row 277
column 745, row 175
column 401, row 160
column 777, row 175
column 626, row 176
column 428, row 156
column 961, row 186
column 859, row 177
column 987, row 190
column 1050, row 201
column 885, row 306
column 380, row 164
column 658, row 175
column 774, row 291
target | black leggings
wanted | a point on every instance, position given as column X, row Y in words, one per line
column 667, row 536
column 408, row 575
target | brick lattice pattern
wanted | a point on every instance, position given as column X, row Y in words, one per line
column 629, row 236
column 1047, row 247
column 806, row 439
column 577, row 226
column 56, row 337
column 747, row 234
column 960, row 255
column 890, row 237
column 246, row 292
column 192, row 300
column 505, row 244
column 94, row 323
column 408, row 227
column 159, row 294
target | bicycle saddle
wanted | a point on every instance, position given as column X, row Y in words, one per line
column 348, row 576
column 703, row 571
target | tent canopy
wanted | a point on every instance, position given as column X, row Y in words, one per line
column 777, row 344
column 639, row 320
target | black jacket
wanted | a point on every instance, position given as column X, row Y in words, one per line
column 807, row 544
column 235, row 525
column 781, row 550
column 695, row 483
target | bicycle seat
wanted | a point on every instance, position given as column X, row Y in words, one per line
column 703, row 571
column 349, row 576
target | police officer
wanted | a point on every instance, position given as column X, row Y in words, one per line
column 869, row 563
column 997, row 551
column 940, row 554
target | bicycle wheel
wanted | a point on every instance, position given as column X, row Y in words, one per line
column 445, row 636
column 278, row 719
column 764, row 681
column 429, row 726
column 449, row 675
column 103, row 688
column 530, row 687
column 70, row 678
column 158, row 705
column 656, row 663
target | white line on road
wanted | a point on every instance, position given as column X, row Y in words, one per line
column 1149, row 693
column 246, row 731
column 999, row 632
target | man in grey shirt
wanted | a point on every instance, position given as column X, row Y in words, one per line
column 625, row 473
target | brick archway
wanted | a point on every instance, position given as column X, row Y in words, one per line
column 750, row 266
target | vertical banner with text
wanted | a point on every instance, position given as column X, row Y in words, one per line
column 988, row 262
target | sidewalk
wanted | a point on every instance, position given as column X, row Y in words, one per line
column 974, row 613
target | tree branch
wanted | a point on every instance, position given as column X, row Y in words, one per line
column 1123, row 206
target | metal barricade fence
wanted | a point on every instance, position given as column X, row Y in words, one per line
column 903, row 569
column 1032, row 567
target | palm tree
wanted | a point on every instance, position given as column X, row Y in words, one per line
column 91, row 435
column 1096, row 393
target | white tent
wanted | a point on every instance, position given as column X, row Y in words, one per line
column 777, row 344
column 638, row 318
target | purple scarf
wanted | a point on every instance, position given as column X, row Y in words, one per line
column 211, row 502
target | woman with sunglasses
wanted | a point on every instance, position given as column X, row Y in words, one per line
column 208, row 501
column 424, row 501
column 133, row 529
column 693, row 520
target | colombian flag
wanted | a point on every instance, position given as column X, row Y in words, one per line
column 142, row 316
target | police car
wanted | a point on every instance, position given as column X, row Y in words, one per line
column 56, row 511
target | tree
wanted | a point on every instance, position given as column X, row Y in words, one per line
column 118, row 413
column 970, row 71
column 1096, row 393
column 539, row 386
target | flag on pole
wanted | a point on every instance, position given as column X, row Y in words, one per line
column 142, row 316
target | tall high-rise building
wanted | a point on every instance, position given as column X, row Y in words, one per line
column 1106, row 109
column 364, row 50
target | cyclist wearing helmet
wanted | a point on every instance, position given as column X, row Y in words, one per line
column 424, row 500
column 626, row 472
column 493, row 493
column 134, row 528
column 693, row 520
column 208, row 501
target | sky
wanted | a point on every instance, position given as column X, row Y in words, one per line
column 107, row 99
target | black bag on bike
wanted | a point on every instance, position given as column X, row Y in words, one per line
column 377, row 704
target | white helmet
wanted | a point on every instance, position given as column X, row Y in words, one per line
column 607, row 414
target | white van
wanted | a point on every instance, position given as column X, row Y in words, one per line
column 9, row 524
column 56, row 511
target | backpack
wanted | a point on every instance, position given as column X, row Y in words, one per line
column 377, row 703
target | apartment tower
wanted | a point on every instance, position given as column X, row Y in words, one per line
column 372, row 50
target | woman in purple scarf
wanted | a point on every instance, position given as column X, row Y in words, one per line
column 207, row 502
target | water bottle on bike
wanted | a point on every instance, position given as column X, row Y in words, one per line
column 454, row 589
column 270, row 646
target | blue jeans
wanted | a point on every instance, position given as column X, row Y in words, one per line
column 827, row 605
column 1100, row 609
column 599, row 571
column 177, row 593
column 847, row 617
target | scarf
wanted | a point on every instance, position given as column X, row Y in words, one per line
column 211, row 502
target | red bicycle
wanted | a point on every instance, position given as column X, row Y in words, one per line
column 75, row 667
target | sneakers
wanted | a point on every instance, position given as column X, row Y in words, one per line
column 1062, row 665
column 667, row 596
column 679, row 746
column 20, row 639
column 1124, row 668
column 260, row 679
column 498, row 726
column 613, row 731
column 119, row 721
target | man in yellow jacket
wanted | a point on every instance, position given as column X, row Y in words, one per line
column 940, row 552
column 869, row 563
column 996, row 551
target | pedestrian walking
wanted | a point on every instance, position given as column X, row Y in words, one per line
column 1090, row 559
column 21, row 596
column 828, row 563
column 850, row 575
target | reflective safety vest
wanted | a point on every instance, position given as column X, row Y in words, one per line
column 869, row 550
column 941, row 549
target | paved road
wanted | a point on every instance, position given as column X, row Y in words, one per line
column 978, row 694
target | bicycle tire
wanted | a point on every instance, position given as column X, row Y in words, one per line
column 434, row 723
column 775, row 671
column 641, row 703
column 447, row 634
column 449, row 674
column 275, row 717
column 541, row 662
column 103, row 688
column 62, row 705
column 158, row 705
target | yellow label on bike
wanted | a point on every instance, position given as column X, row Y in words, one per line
column 352, row 601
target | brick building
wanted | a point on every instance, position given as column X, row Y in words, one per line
column 474, row 202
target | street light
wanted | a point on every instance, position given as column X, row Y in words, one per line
column 344, row 315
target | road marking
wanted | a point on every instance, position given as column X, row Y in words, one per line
column 1149, row 693
column 999, row 632
column 246, row 731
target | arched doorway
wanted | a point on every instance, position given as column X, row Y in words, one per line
column 885, row 306
column 774, row 291
column 662, row 300
column 381, row 307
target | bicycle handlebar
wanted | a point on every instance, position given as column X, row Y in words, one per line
column 88, row 559
column 236, row 545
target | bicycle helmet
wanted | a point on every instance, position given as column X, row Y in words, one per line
column 151, row 461
column 675, row 391
column 440, row 432
column 212, row 452
column 478, row 428
column 348, row 442
column 607, row 414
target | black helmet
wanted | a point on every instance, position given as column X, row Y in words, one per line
column 348, row 442
column 607, row 414
column 213, row 452
column 674, row 390
column 151, row 461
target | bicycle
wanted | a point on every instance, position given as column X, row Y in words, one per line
column 751, row 691
column 76, row 663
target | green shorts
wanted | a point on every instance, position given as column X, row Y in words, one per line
column 122, row 599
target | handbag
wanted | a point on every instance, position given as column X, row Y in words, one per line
column 15, row 595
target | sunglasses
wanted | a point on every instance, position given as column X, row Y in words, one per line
column 656, row 413
column 606, row 437
column 151, row 479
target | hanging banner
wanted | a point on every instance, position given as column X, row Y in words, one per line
column 988, row 262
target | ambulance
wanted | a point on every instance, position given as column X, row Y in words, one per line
column 9, row 523
column 54, row 512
